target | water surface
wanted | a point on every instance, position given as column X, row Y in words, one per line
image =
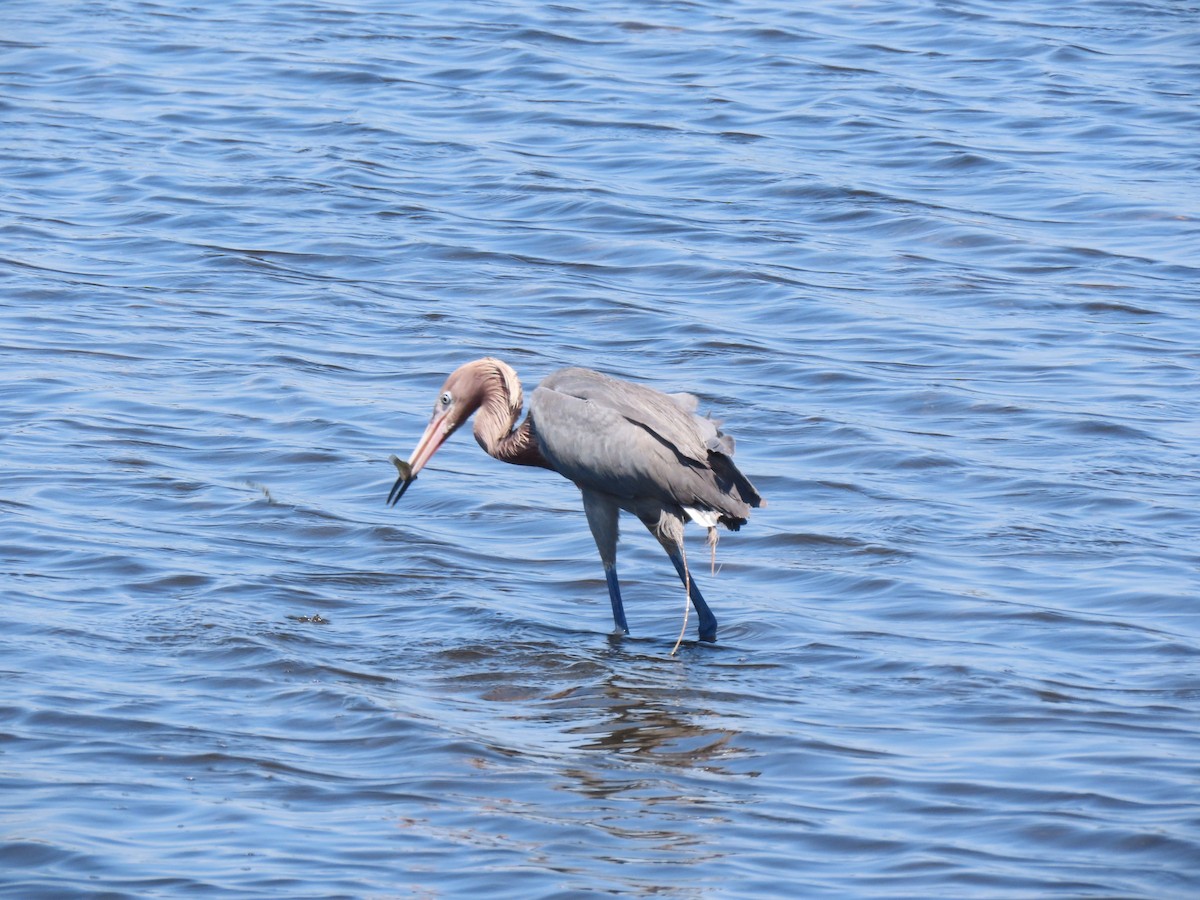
column 935, row 265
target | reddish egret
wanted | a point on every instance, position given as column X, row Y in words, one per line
column 624, row 445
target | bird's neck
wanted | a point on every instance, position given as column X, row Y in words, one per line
column 498, row 413
column 518, row 447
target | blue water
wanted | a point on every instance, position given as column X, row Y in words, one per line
column 935, row 265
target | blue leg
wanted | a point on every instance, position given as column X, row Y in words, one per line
column 614, row 594
column 708, row 622
column 602, row 512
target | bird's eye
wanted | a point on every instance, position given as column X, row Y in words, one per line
column 446, row 399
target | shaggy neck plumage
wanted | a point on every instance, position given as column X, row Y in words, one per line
column 499, row 409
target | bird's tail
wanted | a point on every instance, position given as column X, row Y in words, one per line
column 731, row 479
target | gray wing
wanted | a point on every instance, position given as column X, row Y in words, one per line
column 631, row 441
column 668, row 416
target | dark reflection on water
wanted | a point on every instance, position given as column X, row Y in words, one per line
column 935, row 266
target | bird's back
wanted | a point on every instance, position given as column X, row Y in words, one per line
column 635, row 443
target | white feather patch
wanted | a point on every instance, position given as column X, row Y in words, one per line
column 705, row 517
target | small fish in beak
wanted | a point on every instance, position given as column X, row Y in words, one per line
column 406, row 478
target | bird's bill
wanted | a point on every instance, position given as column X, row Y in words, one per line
column 406, row 478
column 435, row 434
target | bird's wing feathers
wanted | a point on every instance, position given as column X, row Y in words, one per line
column 598, row 448
column 670, row 417
column 629, row 441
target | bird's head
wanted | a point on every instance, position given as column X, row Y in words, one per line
column 461, row 395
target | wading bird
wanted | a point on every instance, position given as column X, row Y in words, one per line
column 625, row 446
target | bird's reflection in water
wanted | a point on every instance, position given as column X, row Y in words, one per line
column 628, row 743
column 626, row 702
column 652, row 721
column 638, row 729
column 648, row 751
